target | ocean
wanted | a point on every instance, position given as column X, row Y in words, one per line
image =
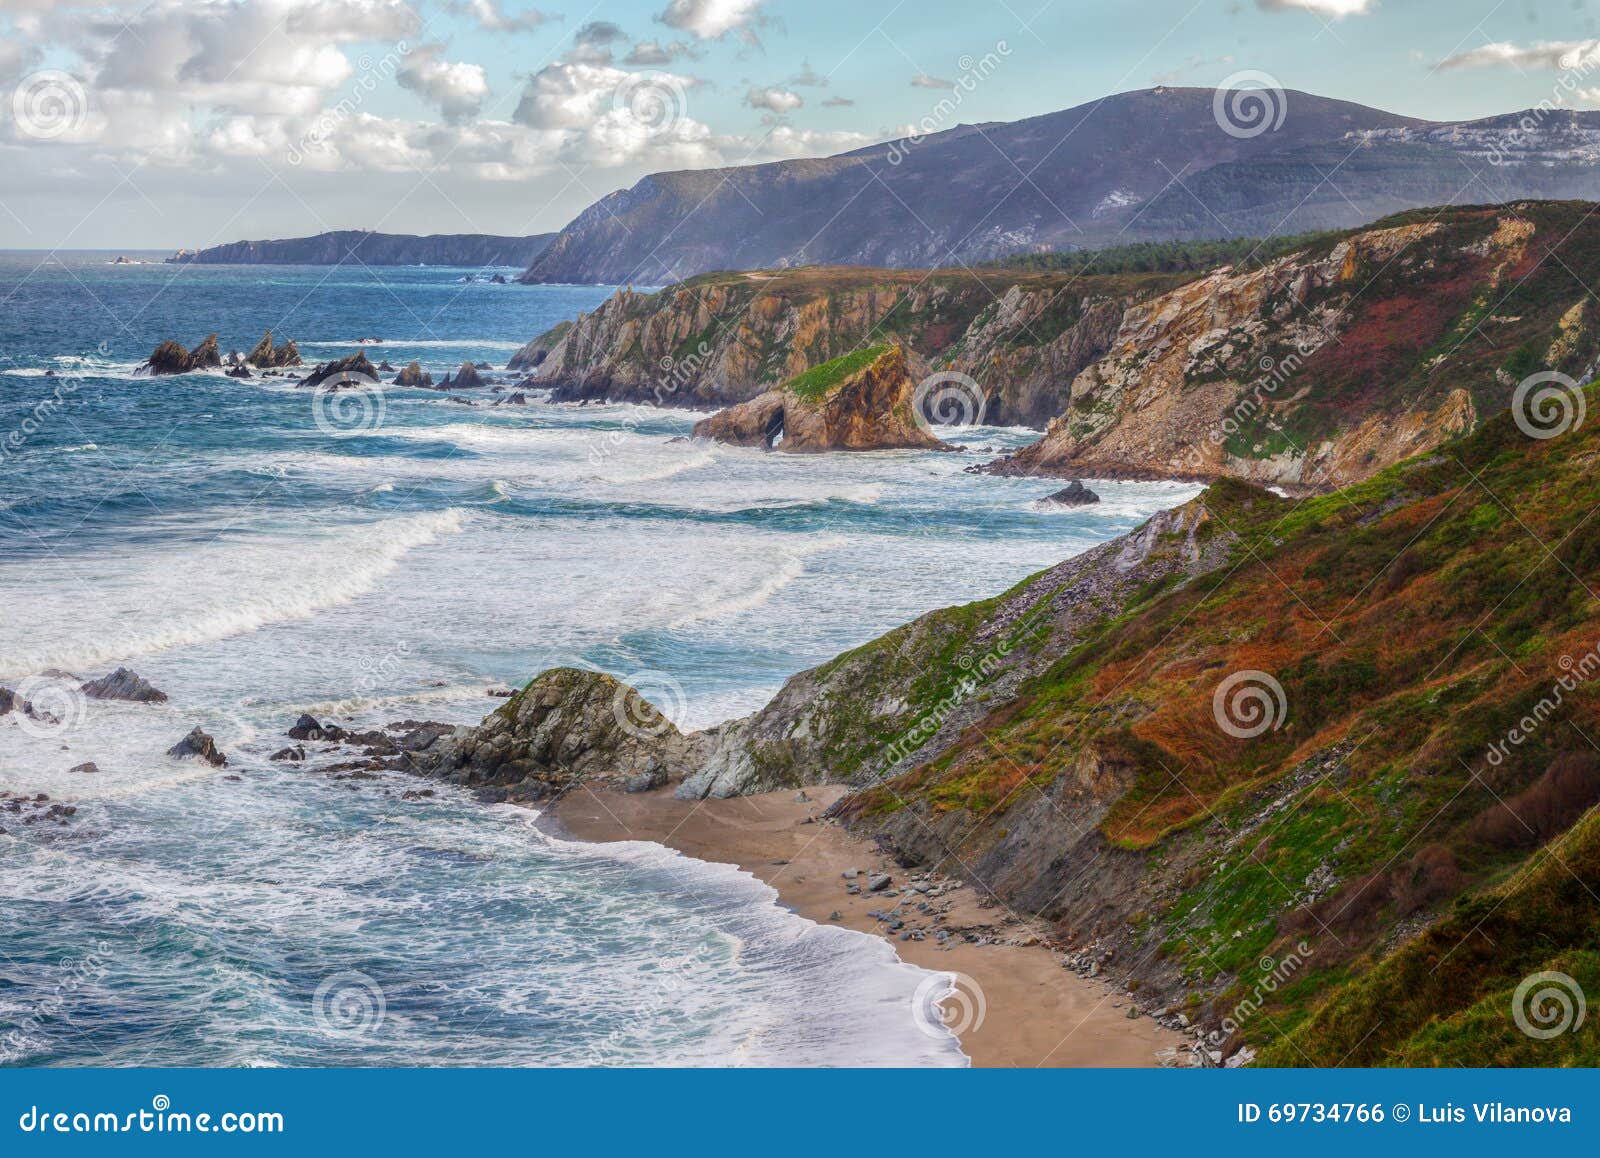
column 257, row 554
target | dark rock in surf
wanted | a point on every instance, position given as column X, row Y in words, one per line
column 266, row 356
column 123, row 684
column 414, row 376
column 344, row 373
column 198, row 746
column 171, row 358
column 1075, row 494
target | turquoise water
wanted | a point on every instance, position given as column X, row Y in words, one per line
column 256, row 554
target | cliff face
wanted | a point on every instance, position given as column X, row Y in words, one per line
column 1327, row 365
column 861, row 401
column 726, row 338
column 356, row 246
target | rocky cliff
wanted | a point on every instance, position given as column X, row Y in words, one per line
column 725, row 338
column 364, row 248
column 1310, row 775
column 864, row 400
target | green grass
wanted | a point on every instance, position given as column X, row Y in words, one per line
column 819, row 381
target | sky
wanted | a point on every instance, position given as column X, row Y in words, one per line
column 159, row 124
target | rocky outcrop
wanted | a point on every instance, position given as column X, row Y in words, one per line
column 266, row 356
column 343, row 373
column 466, row 378
column 198, row 746
column 862, row 401
column 364, row 248
column 1074, row 494
column 567, row 726
column 123, row 684
column 171, row 358
column 726, row 338
column 414, row 376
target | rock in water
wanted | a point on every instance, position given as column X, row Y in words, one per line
column 467, row 377
column 1074, row 494
column 413, row 376
column 171, row 358
column 123, row 684
column 89, row 767
column 8, row 701
column 198, row 746
column 567, row 726
column 266, row 356
column 356, row 366
column 862, row 401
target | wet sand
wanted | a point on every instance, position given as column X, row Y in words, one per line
column 1016, row 1005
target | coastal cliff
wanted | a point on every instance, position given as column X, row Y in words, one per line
column 365, row 248
column 1264, row 815
column 722, row 339
column 1306, row 372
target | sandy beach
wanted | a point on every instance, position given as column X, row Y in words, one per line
column 1020, row 1007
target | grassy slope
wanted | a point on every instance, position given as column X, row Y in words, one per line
column 816, row 382
column 1411, row 621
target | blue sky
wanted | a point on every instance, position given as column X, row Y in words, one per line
column 187, row 122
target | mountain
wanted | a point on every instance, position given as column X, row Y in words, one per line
column 1314, row 777
column 1308, row 371
column 365, row 248
column 1153, row 164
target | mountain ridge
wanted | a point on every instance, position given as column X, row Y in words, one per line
column 1151, row 164
column 365, row 247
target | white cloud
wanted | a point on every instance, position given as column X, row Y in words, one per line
column 458, row 90
column 1552, row 54
column 654, row 52
column 925, row 81
column 774, row 100
column 710, row 19
column 488, row 15
column 1332, row 9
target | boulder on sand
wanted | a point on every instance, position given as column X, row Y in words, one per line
column 862, row 401
column 123, row 684
column 198, row 746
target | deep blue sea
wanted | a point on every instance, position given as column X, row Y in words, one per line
column 257, row 553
